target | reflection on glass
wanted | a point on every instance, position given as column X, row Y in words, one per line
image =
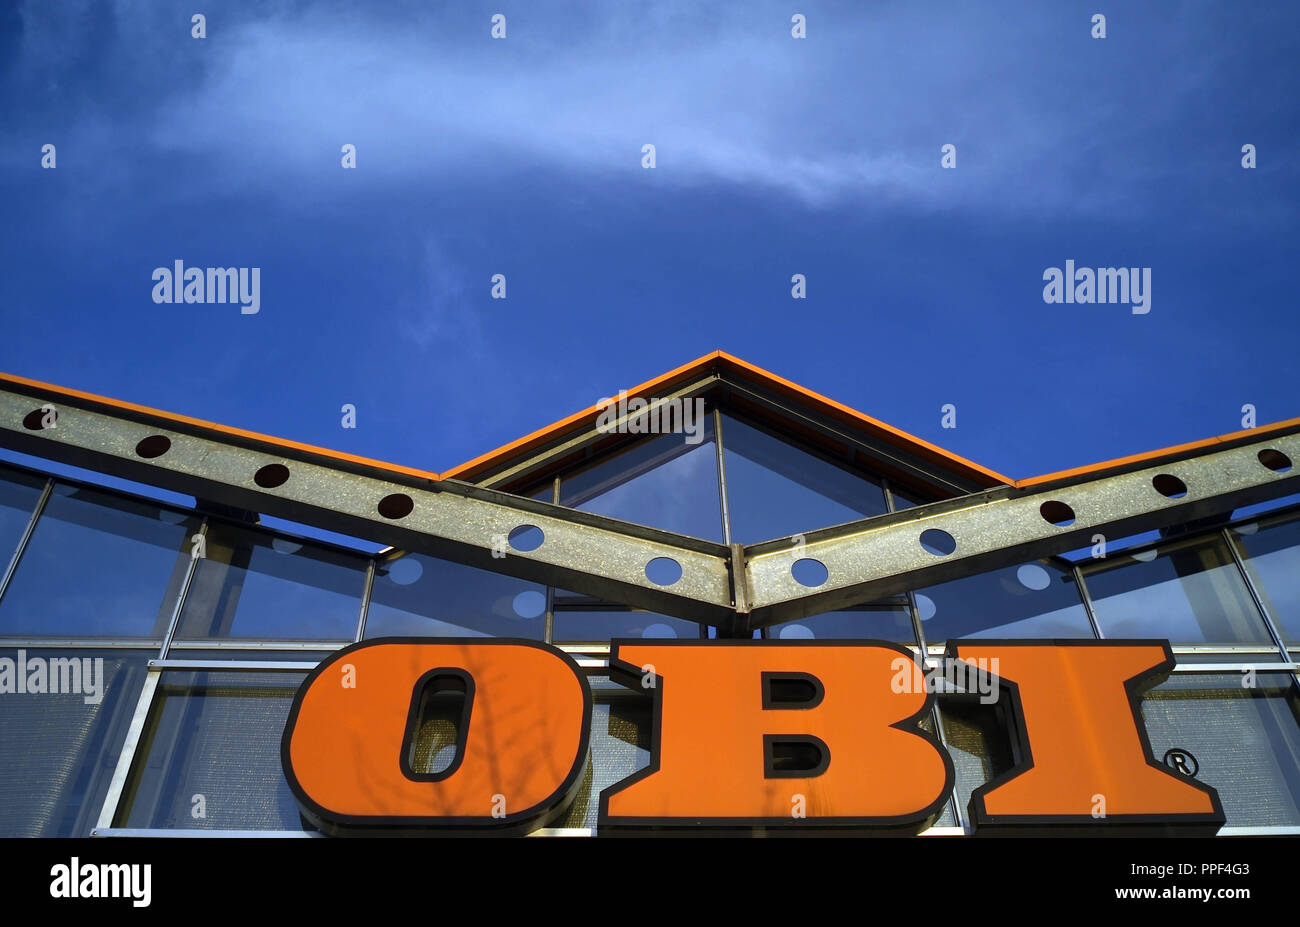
column 60, row 749
column 1033, row 600
column 1271, row 551
column 253, row 584
column 116, row 564
column 886, row 624
column 419, row 596
column 1187, row 592
column 215, row 735
column 605, row 623
column 1245, row 740
column 777, row 490
column 663, row 482
column 19, row 493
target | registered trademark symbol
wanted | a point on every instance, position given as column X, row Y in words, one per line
column 1182, row 761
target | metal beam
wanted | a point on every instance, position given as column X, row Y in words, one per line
column 604, row 557
column 1001, row 527
column 456, row 521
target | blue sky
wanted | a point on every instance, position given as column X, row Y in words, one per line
column 775, row 156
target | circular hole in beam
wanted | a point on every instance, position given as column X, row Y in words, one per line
column 397, row 505
column 938, row 542
column 526, row 538
column 1057, row 513
column 1275, row 460
column 1169, row 485
column 271, row 476
column 35, row 419
column 663, row 571
column 153, row 446
column 809, row 572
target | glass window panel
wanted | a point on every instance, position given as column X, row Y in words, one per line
column 19, row 493
column 663, row 482
column 1245, row 740
column 885, row 624
column 215, row 735
column 1187, row 592
column 60, row 750
column 603, row 624
column 116, row 564
column 1272, row 555
column 620, row 745
column 1032, row 600
column 418, row 596
column 257, row 585
column 775, row 489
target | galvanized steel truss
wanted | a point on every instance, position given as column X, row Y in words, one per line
column 737, row 588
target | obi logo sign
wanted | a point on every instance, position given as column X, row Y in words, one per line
column 805, row 735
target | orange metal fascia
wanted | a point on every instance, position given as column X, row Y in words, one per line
column 187, row 423
column 1134, row 461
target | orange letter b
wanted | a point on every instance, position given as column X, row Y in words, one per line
column 780, row 734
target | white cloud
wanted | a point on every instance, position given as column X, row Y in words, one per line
column 855, row 114
column 852, row 112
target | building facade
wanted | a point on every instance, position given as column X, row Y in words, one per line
column 151, row 652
